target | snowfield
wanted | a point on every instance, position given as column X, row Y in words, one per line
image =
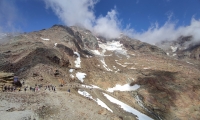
column 127, row 108
column 125, row 87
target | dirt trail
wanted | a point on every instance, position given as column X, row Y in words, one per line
column 49, row 105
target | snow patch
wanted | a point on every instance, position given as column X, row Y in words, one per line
column 125, row 87
column 132, row 68
column 174, row 48
column 105, row 66
column 71, row 70
column 91, row 86
column 190, row 63
column 78, row 60
column 55, row 44
column 102, row 104
column 85, row 94
column 146, row 68
column 121, row 64
column 127, row 108
column 168, row 54
column 80, row 76
column 44, row 38
column 174, row 55
column 99, row 102
column 96, row 52
column 72, row 76
column 126, row 63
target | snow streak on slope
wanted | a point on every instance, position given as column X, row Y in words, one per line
column 127, row 108
column 105, row 66
column 125, row 87
column 44, row 38
column 91, row 86
column 99, row 102
column 78, row 60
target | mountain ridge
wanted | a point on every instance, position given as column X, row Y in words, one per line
column 78, row 57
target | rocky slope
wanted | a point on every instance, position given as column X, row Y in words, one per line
column 153, row 84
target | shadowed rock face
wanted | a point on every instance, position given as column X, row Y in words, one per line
column 167, row 86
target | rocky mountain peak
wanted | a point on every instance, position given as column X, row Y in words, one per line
column 129, row 78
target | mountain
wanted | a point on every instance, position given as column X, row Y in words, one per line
column 129, row 78
column 183, row 48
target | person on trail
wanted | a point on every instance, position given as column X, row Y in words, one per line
column 25, row 89
column 49, row 87
column 14, row 88
column 54, row 88
column 30, row 88
column 69, row 90
column 8, row 88
column 5, row 88
column 23, row 82
column 11, row 88
column 33, row 89
column 36, row 88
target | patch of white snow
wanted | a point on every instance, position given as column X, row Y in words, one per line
column 99, row 102
column 80, row 76
column 44, row 38
column 55, row 44
column 174, row 48
column 71, row 70
column 127, row 108
column 125, row 87
column 78, row 60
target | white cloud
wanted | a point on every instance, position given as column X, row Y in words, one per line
column 81, row 12
column 169, row 31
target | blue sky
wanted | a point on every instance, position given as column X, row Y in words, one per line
column 139, row 15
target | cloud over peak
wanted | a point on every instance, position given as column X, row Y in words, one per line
column 81, row 13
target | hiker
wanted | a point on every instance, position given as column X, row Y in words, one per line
column 69, row 90
column 54, row 89
column 33, row 89
column 14, row 88
column 30, row 88
column 8, row 88
column 23, row 82
column 25, row 89
column 11, row 88
column 5, row 88
column 49, row 87
column 36, row 88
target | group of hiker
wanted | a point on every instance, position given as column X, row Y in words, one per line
column 8, row 88
column 36, row 88
column 15, row 87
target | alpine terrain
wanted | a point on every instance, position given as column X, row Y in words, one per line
column 69, row 73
